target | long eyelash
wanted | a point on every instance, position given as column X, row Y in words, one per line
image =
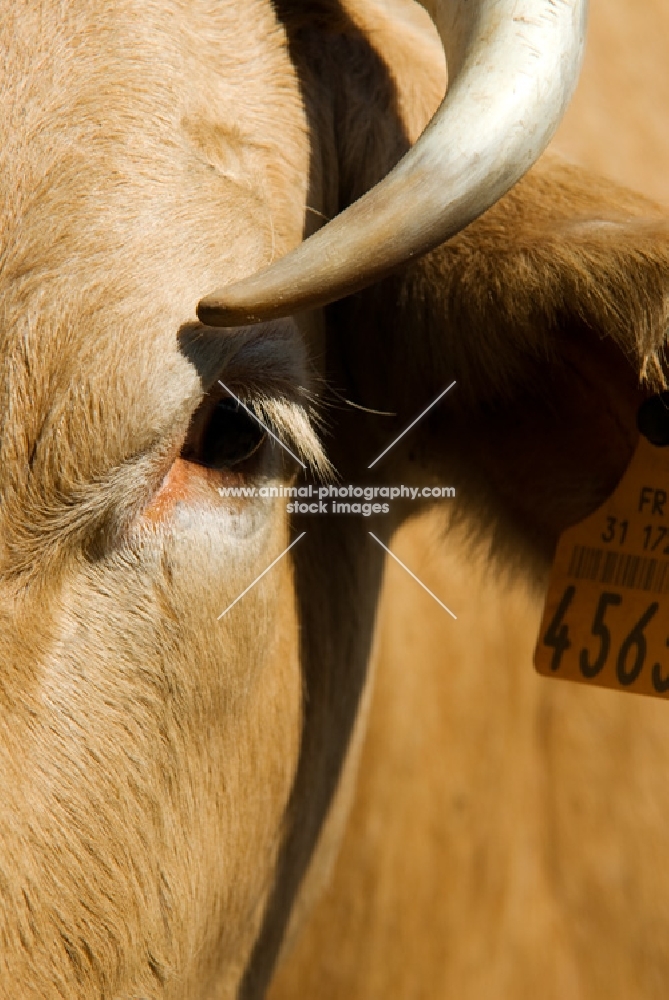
column 293, row 423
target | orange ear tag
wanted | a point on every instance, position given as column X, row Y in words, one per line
column 606, row 617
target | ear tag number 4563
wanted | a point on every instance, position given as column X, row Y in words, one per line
column 606, row 617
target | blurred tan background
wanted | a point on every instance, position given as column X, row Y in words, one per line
column 509, row 838
column 618, row 122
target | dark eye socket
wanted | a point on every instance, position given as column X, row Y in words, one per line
column 228, row 436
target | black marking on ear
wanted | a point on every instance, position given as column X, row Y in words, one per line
column 653, row 419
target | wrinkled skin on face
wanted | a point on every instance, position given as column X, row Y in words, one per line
column 168, row 778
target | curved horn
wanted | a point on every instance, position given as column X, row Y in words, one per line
column 513, row 66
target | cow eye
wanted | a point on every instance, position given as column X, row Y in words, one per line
column 228, row 436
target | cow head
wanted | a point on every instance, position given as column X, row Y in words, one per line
column 162, row 775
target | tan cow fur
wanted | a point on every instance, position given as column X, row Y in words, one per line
column 165, row 777
column 133, row 723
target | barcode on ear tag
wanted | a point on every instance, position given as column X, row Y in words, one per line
column 606, row 617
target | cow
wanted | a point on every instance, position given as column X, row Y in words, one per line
column 181, row 730
column 506, row 835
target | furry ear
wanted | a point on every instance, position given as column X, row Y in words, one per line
column 564, row 250
column 551, row 313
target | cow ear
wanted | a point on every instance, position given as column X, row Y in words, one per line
column 565, row 254
column 551, row 313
